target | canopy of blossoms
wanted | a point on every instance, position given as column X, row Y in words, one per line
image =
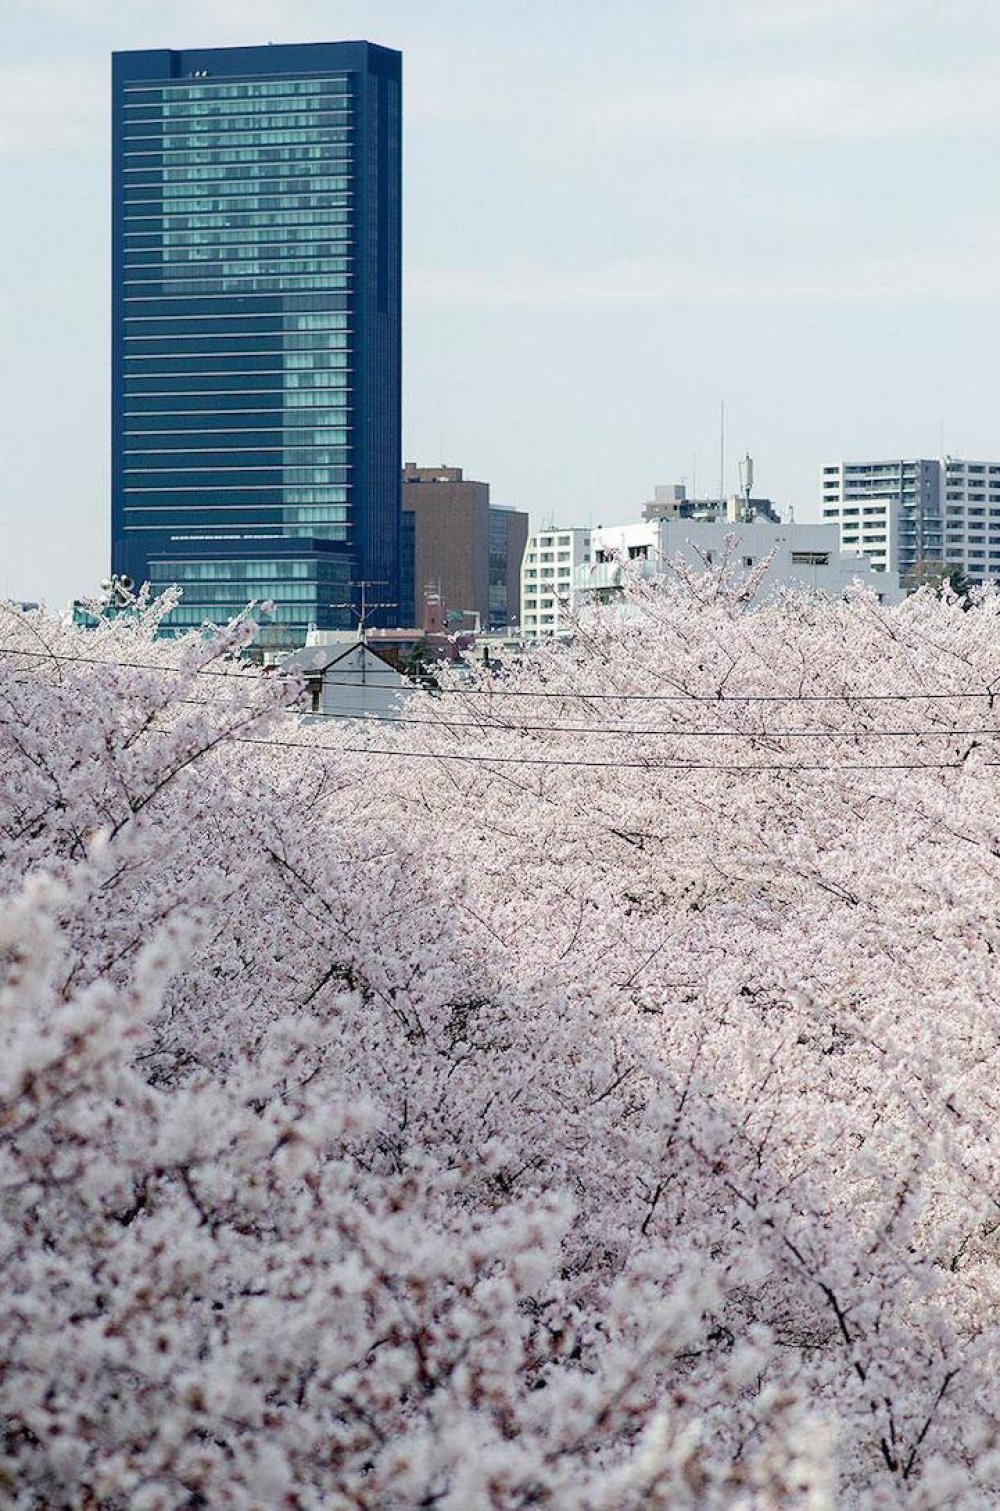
column 576, row 1091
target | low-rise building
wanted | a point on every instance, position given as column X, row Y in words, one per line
column 345, row 678
column 781, row 554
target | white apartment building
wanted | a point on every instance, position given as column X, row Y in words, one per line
column 971, row 515
column 551, row 559
column 901, row 513
column 797, row 556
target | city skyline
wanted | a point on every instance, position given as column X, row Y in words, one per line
column 608, row 231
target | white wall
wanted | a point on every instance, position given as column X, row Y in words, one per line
column 749, row 545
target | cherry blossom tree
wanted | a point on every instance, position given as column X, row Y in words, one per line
column 577, row 1092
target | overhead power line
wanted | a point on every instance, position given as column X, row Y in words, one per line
column 490, row 692
column 847, row 696
column 620, row 730
column 641, row 765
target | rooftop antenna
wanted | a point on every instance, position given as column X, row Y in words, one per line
column 722, row 457
column 746, row 483
column 367, row 609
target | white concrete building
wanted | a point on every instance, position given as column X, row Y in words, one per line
column 797, row 556
column 551, row 559
column 909, row 512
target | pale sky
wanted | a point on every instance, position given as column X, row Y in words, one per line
column 616, row 216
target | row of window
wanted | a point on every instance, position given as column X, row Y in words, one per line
column 153, row 375
column 308, row 466
column 247, row 284
column 266, row 469
column 180, row 147
column 310, row 457
column 242, row 190
column 322, row 513
column 254, row 206
column 213, row 147
column 204, row 305
column 233, row 571
column 308, row 169
column 333, row 247
column 215, row 387
column 316, row 210
column 319, row 129
column 200, row 323
column 296, row 284
column 183, row 167
column 169, row 229
column 193, row 618
column 295, row 407
column 217, row 493
column 179, row 112
column 173, row 92
column 147, row 375
column 209, row 206
column 261, row 186
column 301, row 445
column 289, row 351
column 237, row 258
column 220, row 595
column 311, row 225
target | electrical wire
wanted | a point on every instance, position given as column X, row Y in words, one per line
column 490, row 693
column 646, row 765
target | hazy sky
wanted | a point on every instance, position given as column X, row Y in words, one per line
column 616, row 215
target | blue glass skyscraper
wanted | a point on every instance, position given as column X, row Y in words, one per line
column 256, row 328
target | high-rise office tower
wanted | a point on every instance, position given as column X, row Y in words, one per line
column 256, row 328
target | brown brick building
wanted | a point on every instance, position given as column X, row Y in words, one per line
column 463, row 548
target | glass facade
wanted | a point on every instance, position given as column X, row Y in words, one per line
column 256, row 313
column 508, row 538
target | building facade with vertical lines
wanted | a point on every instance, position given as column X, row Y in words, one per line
column 256, row 329
column 917, row 514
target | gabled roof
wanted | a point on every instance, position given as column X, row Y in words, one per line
column 314, row 659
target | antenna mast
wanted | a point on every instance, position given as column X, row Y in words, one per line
column 367, row 609
column 746, row 484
